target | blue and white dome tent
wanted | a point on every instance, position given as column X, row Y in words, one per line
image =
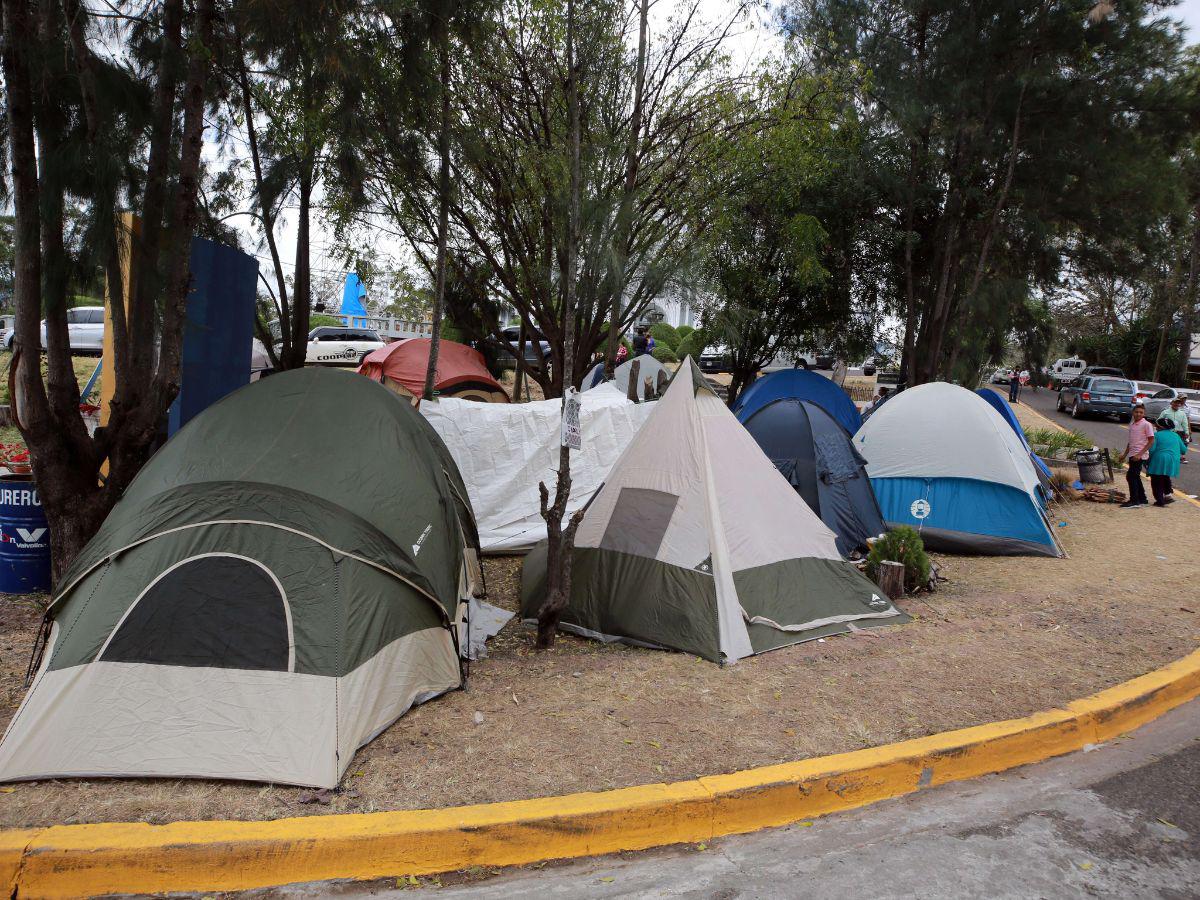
column 942, row 460
column 1001, row 406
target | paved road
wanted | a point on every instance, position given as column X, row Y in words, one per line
column 1108, row 433
column 1120, row 820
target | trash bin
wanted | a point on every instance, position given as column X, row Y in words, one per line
column 1091, row 467
column 24, row 538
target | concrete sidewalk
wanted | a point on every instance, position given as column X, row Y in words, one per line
column 1122, row 820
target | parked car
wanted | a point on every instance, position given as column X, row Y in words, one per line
column 803, row 359
column 1064, row 370
column 330, row 345
column 1102, row 370
column 1144, row 389
column 85, row 329
column 1098, row 395
column 716, row 359
column 8, row 326
column 1162, row 401
column 536, row 348
column 1001, row 376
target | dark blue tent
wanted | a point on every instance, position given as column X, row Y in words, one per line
column 799, row 384
column 814, row 452
column 1001, row 406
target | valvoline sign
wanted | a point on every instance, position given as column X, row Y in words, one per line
column 24, row 539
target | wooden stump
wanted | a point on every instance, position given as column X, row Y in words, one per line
column 891, row 579
column 635, row 368
column 663, row 380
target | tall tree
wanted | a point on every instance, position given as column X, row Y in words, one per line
column 778, row 247
column 511, row 182
column 104, row 132
column 998, row 128
column 561, row 541
column 301, row 93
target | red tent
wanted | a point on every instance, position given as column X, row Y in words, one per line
column 460, row 372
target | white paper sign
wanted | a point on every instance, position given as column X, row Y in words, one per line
column 572, row 434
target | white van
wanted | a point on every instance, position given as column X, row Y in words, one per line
column 1065, row 370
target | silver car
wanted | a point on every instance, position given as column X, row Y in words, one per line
column 1161, row 401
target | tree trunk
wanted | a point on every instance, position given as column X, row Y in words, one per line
column 266, row 214
column 295, row 355
column 1191, row 318
column 625, row 213
column 561, row 542
column 519, row 376
column 439, row 294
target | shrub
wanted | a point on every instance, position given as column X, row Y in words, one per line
column 1055, row 439
column 683, row 331
column 902, row 544
column 664, row 354
column 664, row 336
column 692, row 345
column 316, row 320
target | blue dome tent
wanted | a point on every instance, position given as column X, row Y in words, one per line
column 816, row 455
column 799, row 384
column 944, row 461
column 1000, row 405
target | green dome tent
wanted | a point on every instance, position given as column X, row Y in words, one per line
column 277, row 586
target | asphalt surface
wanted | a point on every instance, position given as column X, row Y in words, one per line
column 1118, row 820
column 1108, row 433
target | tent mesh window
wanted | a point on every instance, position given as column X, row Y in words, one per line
column 214, row 611
column 639, row 521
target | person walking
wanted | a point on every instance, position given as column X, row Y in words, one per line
column 1165, row 457
column 1136, row 452
column 1180, row 423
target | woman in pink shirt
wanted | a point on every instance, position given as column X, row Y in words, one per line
column 1137, row 451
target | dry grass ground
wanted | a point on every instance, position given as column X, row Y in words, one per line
column 1005, row 637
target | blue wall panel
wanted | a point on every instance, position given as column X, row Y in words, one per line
column 218, row 329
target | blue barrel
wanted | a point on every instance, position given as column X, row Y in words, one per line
column 24, row 538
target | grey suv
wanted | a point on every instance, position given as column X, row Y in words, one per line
column 1098, row 395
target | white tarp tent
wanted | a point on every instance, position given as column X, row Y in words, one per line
column 504, row 449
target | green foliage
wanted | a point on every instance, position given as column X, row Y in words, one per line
column 781, row 230
column 1055, row 439
column 317, row 319
column 664, row 354
column 692, row 345
column 665, row 335
column 1062, row 144
column 684, row 330
column 902, row 544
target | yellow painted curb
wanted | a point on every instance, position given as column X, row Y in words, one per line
column 85, row 860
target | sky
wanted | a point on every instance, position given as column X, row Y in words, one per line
column 1189, row 12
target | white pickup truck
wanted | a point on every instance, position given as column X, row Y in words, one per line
column 1065, row 370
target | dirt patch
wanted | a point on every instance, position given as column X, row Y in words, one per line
column 1004, row 638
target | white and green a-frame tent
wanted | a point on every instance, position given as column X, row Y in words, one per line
column 697, row 543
